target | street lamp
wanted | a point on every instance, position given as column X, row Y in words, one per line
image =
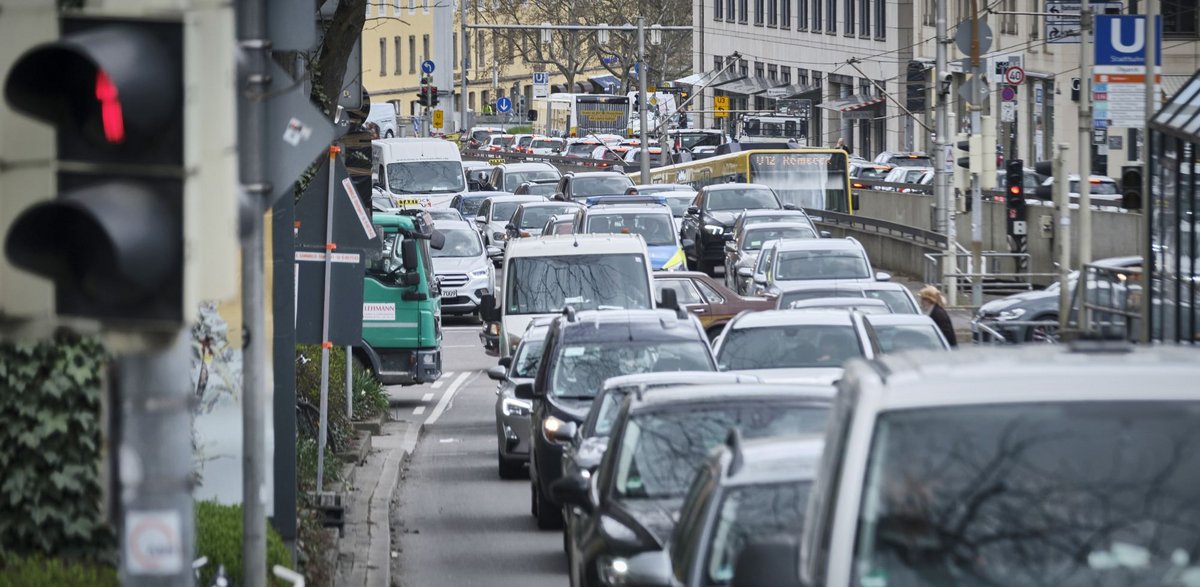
column 546, row 33
column 656, row 34
column 602, row 34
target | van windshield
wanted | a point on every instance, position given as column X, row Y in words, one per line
column 426, row 177
column 544, row 285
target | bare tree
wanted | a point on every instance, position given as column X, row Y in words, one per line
column 666, row 61
column 562, row 53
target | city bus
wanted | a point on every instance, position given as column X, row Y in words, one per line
column 807, row 178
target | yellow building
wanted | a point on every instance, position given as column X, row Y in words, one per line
column 400, row 34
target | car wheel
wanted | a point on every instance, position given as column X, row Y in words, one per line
column 532, row 496
column 549, row 516
column 509, row 469
column 1044, row 334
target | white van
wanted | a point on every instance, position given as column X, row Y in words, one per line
column 587, row 271
column 384, row 116
column 418, row 171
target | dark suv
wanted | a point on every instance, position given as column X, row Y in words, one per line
column 577, row 186
column 581, row 351
column 712, row 215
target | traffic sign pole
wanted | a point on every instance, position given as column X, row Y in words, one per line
column 1085, row 132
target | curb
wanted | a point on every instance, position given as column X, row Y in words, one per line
column 379, row 560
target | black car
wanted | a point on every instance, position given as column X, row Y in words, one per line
column 577, row 186
column 581, row 351
column 658, row 443
column 530, row 218
column 713, row 214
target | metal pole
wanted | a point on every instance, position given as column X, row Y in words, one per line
column 976, row 194
column 466, row 63
column 1085, row 134
column 1062, row 234
column 255, row 79
column 350, row 383
column 1148, row 202
column 323, row 430
column 643, row 104
column 156, row 482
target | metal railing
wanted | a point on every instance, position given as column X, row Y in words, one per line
column 992, row 276
column 996, row 331
column 563, row 163
column 918, row 236
column 1107, row 302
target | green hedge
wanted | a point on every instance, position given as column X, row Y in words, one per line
column 42, row 572
column 50, row 451
column 219, row 537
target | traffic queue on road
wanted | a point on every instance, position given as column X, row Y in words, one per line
column 724, row 394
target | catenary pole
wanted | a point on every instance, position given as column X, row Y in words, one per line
column 643, row 105
column 463, row 67
column 1148, row 167
column 1085, row 133
column 944, row 163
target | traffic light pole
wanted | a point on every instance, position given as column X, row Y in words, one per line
column 643, row 104
column 1085, row 134
column 253, row 82
column 1146, row 328
column 943, row 197
column 976, row 195
column 1062, row 234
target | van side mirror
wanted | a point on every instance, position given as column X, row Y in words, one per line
column 826, row 234
column 408, row 253
column 670, row 299
column 523, row 391
column 437, row 240
column 487, row 308
column 770, row 562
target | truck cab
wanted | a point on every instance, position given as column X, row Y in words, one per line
column 402, row 314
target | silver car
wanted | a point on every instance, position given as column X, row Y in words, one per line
column 512, row 412
column 462, row 268
column 493, row 218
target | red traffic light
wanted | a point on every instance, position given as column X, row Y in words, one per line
column 110, row 108
column 1014, row 190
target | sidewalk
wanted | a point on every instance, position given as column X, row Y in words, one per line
column 364, row 551
column 959, row 316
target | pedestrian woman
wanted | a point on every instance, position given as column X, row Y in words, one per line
column 841, row 144
column 935, row 305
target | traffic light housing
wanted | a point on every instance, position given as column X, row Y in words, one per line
column 1014, row 197
column 423, row 96
column 1131, row 187
column 433, row 96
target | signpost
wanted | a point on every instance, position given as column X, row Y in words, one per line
column 1014, row 75
column 1062, row 23
column 541, row 84
column 1119, row 78
column 720, row 106
column 503, row 104
column 427, row 67
column 438, row 118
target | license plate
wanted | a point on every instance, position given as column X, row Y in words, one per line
column 449, row 293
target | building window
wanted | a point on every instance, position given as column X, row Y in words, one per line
column 425, row 54
column 758, row 12
column 772, row 12
column 717, row 63
column 831, row 16
column 396, row 7
column 743, row 67
column 929, row 12
column 816, row 78
column 785, row 14
column 369, row 10
column 802, row 76
column 864, row 17
column 816, row 15
column 719, row 10
column 743, row 11
column 773, row 72
column 397, row 43
column 848, row 20
column 760, row 70
column 382, row 57
column 480, row 43
column 865, row 87
column 471, row 101
column 1180, row 18
column 454, row 48
column 412, row 54
column 880, row 20
column 730, row 11
column 802, row 15
column 412, row 6
column 1008, row 22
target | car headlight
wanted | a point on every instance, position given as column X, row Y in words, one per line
column 1012, row 314
column 714, row 229
column 512, row 406
column 613, row 570
column 493, row 329
column 479, row 273
column 549, row 426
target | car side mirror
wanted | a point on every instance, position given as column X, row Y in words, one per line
column 497, row 373
column 493, row 251
column 826, row 234
column 693, row 210
column 688, row 243
column 487, row 308
column 565, row 433
column 770, row 562
column 505, row 362
column 790, row 207
column 760, row 279
column 883, row 276
column 745, row 272
column 572, row 490
column 650, row 568
column 523, row 391
column 481, row 219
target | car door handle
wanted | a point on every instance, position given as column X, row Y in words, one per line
column 698, row 310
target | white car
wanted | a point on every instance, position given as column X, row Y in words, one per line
column 463, row 270
column 905, row 175
column 547, row 146
column 1103, row 191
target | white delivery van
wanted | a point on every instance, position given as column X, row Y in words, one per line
column 384, row 116
column 587, row 271
column 418, row 171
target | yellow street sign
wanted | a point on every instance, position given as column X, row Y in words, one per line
column 720, row 106
column 437, row 118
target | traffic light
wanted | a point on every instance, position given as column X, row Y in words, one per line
column 113, row 237
column 423, row 96
column 1131, row 187
column 433, row 96
column 1014, row 197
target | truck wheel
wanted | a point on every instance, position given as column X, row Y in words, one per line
column 510, row 469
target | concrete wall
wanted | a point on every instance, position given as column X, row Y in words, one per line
column 1114, row 233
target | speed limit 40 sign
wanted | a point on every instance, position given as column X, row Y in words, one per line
column 1014, row 75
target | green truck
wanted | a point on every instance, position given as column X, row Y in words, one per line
column 402, row 310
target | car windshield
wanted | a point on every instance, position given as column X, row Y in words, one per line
column 470, row 206
column 537, row 216
column 482, row 135
column 503, row 211
column 512, row 180
column 838, row 264
column 756, row 237
column 765, row 218
column 460, row 243
column 656, row 229
column 874, row 172
column 539, row 189
column 546, row 144
column 444, row 214
column 580, row 369
column 740, row 199
column 894, row 338
column 679, row 204
column 1102, row 188
column 911, row 161
column 529, row 355
column 581, row 149
column 544, row 285
column 898, row 302
column 524, row 141
column 788, row 347
column 748, row 512
column 583, row 187
column 1079, row 494
column 660, row 451
column 426, row 177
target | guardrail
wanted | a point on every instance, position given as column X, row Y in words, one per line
column 992, row 278
column 877, row 226
column 563, row 163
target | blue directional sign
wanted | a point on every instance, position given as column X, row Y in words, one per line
column 1121, row 40
column 503, row 104
column 427, row 66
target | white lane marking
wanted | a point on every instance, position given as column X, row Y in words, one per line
column 447, row 373
column 446, row 397
column 427, row 397
column 437, row 384
column 417, row 411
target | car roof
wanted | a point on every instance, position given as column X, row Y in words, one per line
column 609, row 209
column 1033, row 374
column 766, row 318
column 771, row 460
column 628, row 326
column 833, row 301
column 819, row 244
column 716, row 187
column 779, row 224
column 843, row 286
column 526, row 166
column 677, row 377
column 701, row 394
column 774, row 212
column 511, row 198
column 899, row 319
column 598, row 174
column 486, row 194
column 455, row 225
column 668, row 187
column 548, row 204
